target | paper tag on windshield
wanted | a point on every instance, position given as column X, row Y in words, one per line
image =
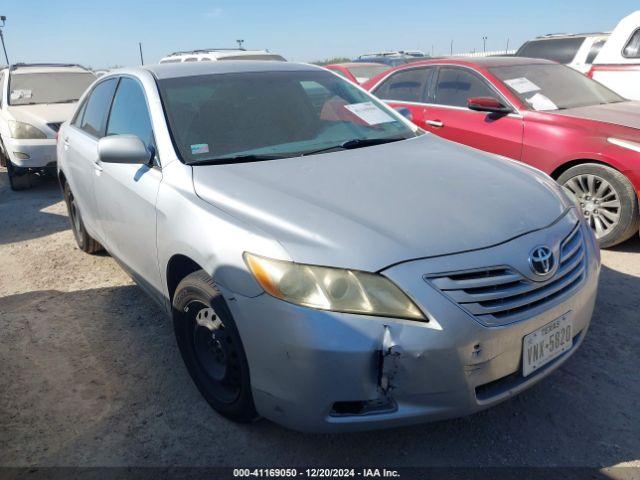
column 540, row 102
column 18, row 94
column 522, row 85
column 369, row 113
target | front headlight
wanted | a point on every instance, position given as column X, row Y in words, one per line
column 334, row 289
column 23, row 131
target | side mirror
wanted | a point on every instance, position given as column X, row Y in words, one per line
column 405, row 112
column 488, row 104
column 123, row 149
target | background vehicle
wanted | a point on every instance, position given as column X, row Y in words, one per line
column 577, row 51
column 618, row 64
column 358, row 72
column 545, row 114
column 230, row 184
column 392, row 59
column 34, row 100
column 215, row 54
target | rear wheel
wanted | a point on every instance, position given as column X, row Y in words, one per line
column 85, row 242
column 607, row 200
column 211, row 347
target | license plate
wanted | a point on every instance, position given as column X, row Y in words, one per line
column 546, row 343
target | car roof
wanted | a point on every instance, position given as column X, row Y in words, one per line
column 485, row 62
column 188, row 69
column 19, row 68
column 358, row 64
column 553, row 36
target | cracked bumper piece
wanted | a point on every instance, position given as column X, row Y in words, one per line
column 320, row 371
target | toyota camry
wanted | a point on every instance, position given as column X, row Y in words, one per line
column 326, row 264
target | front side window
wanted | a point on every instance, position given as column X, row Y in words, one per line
column 595, row 50
column 408, row 85
column 456, row 85
column 632, row 48
column 97, row 108
column 129, row 113
column 36, row 88
column 561, row 50
column 547, row 87
column 280, row 114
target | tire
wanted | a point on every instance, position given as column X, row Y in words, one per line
column 19, row 178
column 85, row 242
column 211, row 347
column 607, row 199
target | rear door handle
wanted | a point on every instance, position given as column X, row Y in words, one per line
column 65, row 143
column 97, row 165
column 435, row 123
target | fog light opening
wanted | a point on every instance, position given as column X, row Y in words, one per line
column 363, row 407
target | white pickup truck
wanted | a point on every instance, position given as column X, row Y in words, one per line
column 618, row 64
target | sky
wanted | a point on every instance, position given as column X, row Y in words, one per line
column 106, row 33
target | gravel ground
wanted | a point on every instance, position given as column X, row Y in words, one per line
column 91, row 375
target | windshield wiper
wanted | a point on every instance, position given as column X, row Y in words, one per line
column 238, row 159
column 356, row 143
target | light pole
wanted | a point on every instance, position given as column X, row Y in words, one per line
column 3, row 19
column 240, row 43
column 484, row 44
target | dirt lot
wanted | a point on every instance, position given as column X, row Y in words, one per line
column 90, row 375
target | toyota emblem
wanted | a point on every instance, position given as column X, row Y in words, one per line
column 542, row 261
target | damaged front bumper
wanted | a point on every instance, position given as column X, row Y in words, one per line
column 324, row 371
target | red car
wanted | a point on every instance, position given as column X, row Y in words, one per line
column 358, row 72
column 539, row 112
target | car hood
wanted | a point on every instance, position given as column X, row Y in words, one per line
column 372, row 207
column 43, row 113
column 626, row 114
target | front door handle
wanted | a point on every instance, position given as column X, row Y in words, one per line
column 65, row 143
column 435, row 123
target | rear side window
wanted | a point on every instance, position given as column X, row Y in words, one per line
column 561, row 50
column 129, row 113
column 456, row 85
column 97, row 108
column 408, row 85
column 595, row 50
column 632, row 48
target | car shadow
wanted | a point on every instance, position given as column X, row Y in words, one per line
column 94, row 377
column 31, row 213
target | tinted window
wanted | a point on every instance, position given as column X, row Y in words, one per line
column 456, row 85
column 595, row 50
column 561, row 50
column 191, row 59
column 407, row 85
column 217, row 117
column 77, row 120
column 553, row 86
column 632, row 48
column 97, row 109
column 129, row 113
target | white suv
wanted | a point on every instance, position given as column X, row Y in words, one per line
column 34, row 100
column 215, row 54
column 577, row 51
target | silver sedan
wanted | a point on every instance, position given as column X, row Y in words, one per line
column 326, row 264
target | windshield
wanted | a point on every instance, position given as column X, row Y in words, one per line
column 365, row 72
column 546, row 87
column 34, row 88
column 277, row 114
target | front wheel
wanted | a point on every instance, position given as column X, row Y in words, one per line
column 211, row 347
column 607, row 200
column 85, row 242
column 19, row 178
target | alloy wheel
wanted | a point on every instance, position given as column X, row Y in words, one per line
column 598, row 200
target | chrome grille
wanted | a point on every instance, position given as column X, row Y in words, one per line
column 500, row 295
